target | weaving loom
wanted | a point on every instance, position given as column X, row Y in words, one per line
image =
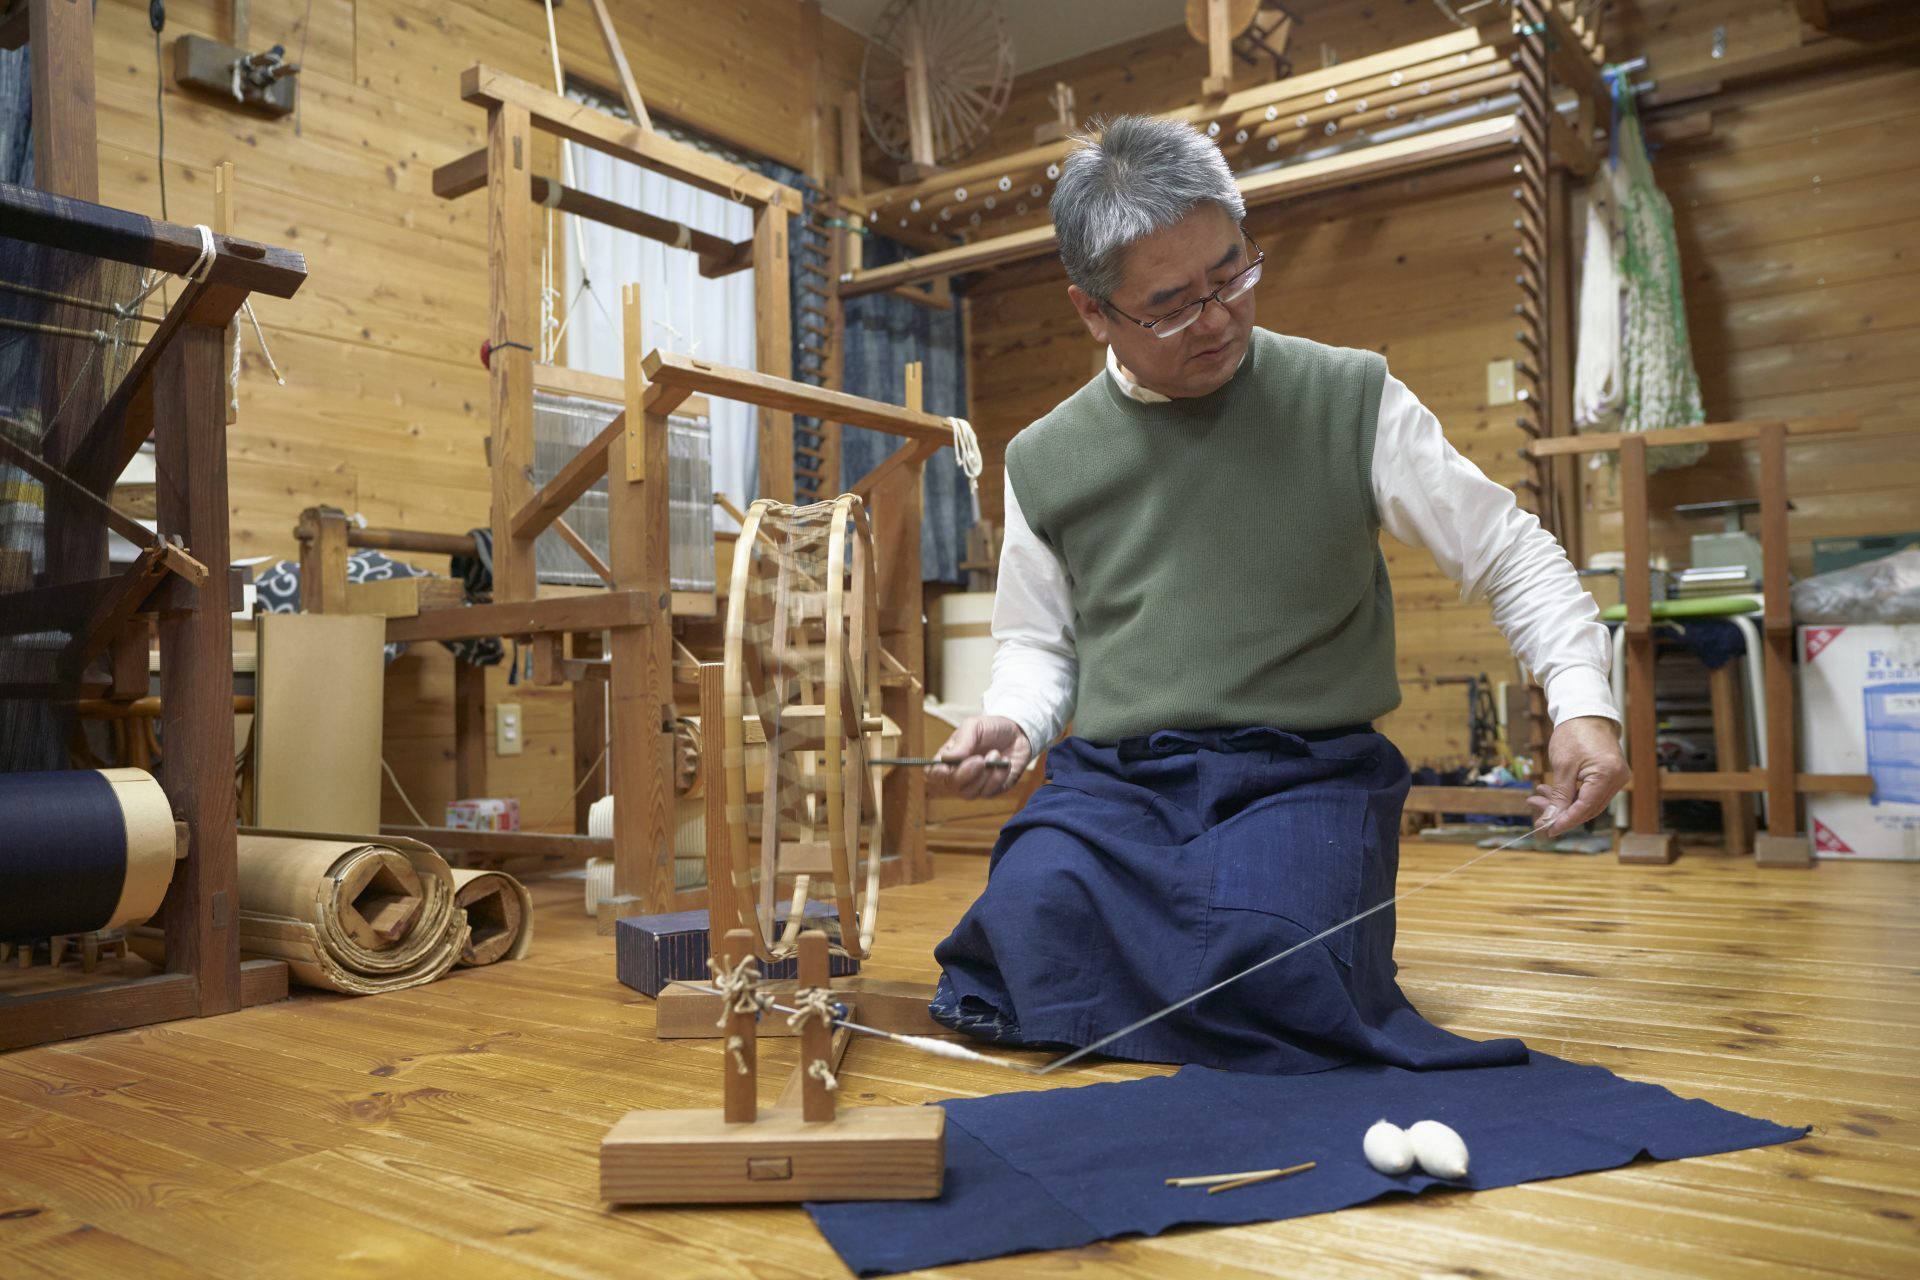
column 100, row 345
column 562, row 426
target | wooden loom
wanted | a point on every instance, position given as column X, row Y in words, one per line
column 637, row 611
column 176, row 390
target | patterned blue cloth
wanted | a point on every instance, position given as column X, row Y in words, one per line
column 1063, row 1168
column 1146, row 871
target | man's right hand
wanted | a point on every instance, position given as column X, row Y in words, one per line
column 978, row 740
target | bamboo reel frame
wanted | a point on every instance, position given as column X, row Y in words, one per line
column 802, row 652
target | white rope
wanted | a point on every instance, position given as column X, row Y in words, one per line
column 233, row 374
column 739, row 987
column 814, row 1002
column 682, row 235
column 203, row 264
column 820, row 1071
column 737, row 1046
column 966, row 453
column 260, row 335
column 196, row 273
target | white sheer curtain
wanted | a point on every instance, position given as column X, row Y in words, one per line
column 683, row 311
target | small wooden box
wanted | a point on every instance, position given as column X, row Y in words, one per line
column 695, row 1157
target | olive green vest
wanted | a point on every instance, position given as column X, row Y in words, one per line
column 1223, row 551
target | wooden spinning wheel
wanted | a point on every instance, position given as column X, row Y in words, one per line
column 802, row 653
column 935, row 76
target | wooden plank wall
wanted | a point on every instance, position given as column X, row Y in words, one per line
column 1797, row 222
column 385, row 412
column 1795, row 219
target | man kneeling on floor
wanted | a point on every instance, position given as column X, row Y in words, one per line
column 1192, row 573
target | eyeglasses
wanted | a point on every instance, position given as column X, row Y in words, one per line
column 1183, row 318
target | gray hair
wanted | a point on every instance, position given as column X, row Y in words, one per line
column 1142, row 174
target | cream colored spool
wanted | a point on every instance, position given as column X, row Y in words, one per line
column 966, row 648
column 150, row 844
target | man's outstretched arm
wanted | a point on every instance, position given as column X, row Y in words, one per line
column 1430, row 496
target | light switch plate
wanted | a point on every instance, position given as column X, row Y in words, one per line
column 507, row 733
column 1499, row 382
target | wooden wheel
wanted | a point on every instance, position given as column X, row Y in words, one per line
column 941, row 69
column 802, row 654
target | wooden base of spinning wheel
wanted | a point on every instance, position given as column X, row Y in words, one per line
column 696, row 1157
column 737, row 1153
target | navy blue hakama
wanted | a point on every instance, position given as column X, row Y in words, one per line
column 1146, row 871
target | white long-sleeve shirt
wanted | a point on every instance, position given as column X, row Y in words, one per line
column 1427, row 495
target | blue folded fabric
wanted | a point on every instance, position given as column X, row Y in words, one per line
column 1063, row 1168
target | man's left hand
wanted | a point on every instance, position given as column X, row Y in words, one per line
column 1588, row 770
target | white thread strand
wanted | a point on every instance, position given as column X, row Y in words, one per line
column 261, row 336
column 966, row 454
column 233, row 375
column 203, row 264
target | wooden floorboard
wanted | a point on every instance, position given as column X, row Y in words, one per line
column 458, row 1124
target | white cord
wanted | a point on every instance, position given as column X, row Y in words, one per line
column 404, row 798
column 966, row 453
column 261, row 335
column 203, row 265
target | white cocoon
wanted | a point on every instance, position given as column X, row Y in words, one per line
column 1439, row 1150
column 1387, row 1148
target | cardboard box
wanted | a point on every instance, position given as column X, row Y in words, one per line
column 1860, row 713
column 484, row 814
column 317, row 721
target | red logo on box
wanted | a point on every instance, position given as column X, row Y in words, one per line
column 1826, row 841
column 1819, row 638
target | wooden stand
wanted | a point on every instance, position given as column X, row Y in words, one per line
column 1643, row 842
column 736, row 1155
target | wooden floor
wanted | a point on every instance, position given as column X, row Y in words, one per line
column 457, row 1125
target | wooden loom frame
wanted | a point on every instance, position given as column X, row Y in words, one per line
column 638, row 607
column 177, row 391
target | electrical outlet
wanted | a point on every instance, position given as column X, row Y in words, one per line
column 1499, row 382
column 507, row 736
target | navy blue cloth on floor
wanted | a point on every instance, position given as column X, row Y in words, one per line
column 1063, row 1168
column 1146, row 871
